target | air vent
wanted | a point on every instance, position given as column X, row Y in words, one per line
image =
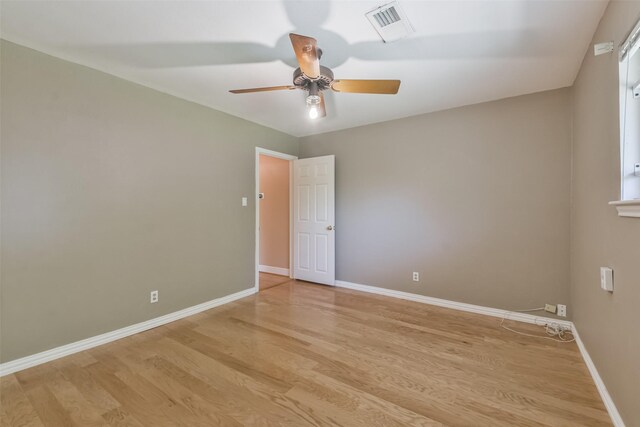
column 390, row 22
column 387, row 17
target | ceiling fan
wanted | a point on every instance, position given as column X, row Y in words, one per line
column 314, row 78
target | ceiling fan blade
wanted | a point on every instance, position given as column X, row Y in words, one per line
column 262, row 89
column 322, row 111
column 306, row 49
column 366, row 86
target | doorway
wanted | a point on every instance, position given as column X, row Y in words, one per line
column 273, row 218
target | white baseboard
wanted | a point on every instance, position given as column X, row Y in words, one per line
column 274, row 270
column 495, row 312
column 602, row 389
column 75, row 347
column 478, row 309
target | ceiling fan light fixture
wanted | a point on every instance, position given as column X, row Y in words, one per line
column 313, row 78
column 313, row 100
column 313, row 111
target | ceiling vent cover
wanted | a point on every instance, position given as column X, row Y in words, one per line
column 387, row 17
column 390, row 22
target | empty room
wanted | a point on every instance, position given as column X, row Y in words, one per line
column 320, row 212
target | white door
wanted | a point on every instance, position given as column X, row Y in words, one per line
column 314, row 243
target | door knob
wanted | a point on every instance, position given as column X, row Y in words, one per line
column 330, row 227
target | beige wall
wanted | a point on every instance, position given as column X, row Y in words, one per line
column 111, row 190
column 608, row 323
column 274, row 212
column 475, row 199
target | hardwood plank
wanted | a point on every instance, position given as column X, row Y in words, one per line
column 118, row 417
column 302, row 354
column 269, row 280
column 16, row 408
column 245, row 399
column 97, row 396
column 49, row 410
column 79, row 409
column 154, row 411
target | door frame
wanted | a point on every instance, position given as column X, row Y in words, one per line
column 290, row 158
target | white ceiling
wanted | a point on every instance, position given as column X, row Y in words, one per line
column 461, row 53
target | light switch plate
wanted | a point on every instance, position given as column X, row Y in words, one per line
column 606, row 279
column 602, row 48
column 636, row 169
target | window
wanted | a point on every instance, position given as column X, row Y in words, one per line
column 630, row 115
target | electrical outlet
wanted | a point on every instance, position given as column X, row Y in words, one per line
column 154, row 297
column 562, row 310
column 416, row 276
column 636, row 168
column 550, row 308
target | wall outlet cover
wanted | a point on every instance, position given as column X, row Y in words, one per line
column 416, row 276
column 153, row 298
column 562, row 310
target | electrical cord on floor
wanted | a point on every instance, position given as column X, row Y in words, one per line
column 554, row 331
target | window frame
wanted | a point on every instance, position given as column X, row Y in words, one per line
column 628, row 206
column 629, row 48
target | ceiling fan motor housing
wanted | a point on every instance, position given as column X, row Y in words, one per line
column 300, row 80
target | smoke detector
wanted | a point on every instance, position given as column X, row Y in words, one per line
column 390, row 22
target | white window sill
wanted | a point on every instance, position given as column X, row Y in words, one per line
column 628, row 208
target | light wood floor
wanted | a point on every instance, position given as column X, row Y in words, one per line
column 301, row 354
column 268, row 280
